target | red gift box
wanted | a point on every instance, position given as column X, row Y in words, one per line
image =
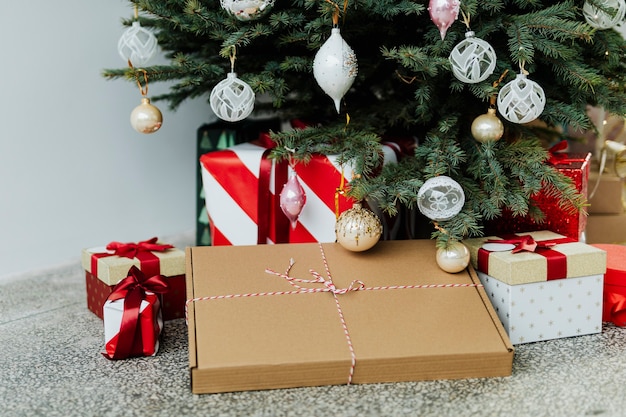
column 558, row 220
column 242, row 188
column 614, row 303
column 104, row 269
column 132, row 316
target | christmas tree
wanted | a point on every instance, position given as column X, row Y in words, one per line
column 406, row 87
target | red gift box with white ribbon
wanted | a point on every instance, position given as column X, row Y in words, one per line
column 242, row 188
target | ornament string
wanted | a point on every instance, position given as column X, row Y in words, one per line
column 143, row 89
column 466, row 19
column 337, row 11
column 341, row 189
column 492, row 99
column 328, row 286
column 232, row 57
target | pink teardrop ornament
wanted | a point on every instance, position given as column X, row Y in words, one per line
column 292, row 199
column 443, row 13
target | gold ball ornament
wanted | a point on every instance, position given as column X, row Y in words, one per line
column 358, row 229
column 146, row 118
column 487, row 127
column 453, row 259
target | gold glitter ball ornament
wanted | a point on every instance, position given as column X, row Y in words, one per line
column 146, row 118
column 358, row 229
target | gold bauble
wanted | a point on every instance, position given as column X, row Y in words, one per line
column 358, row 229
column 487, row 127
column 146, row 118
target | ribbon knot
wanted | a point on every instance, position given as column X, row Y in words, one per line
column 133, row 290
column 524, row 243
column 131, row 250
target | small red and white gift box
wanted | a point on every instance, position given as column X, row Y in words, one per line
column 132, row 316
column 105, row 267
column 542, row 285
column 242, row 188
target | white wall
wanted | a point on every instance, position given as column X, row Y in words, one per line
column 73, row 172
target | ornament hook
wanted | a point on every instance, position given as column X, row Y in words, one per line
column 466, row 19
column 142, row 89
column 233, row 57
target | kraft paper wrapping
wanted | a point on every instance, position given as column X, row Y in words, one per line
column 526, row 267
column 112, row 269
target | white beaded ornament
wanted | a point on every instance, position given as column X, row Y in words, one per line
column 335, row 67
column 599, row 18
column 137, row 45
column 246, row 10
column 521, row 100
column 440, row 198
column 473, row 59
column 232, row 99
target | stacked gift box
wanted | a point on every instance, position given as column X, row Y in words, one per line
column 543, row 285
column 106, row 266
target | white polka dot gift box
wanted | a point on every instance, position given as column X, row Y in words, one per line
column 542, row 285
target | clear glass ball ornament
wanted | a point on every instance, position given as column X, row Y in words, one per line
column 358, row 229
column 454, row 258
column 146, row 118
column 521, row 100
column 473, row 59
column 246, row 10
column 335, row 67
column 232, row 99
column 137, row 45
column 440, row 198
column 601, row 19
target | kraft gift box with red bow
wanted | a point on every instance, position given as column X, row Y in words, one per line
column 132, row 316
column 106, row 266
column 242, row 189
column 557, row 219
column 543, row 285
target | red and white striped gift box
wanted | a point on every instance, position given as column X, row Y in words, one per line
column 242, row 189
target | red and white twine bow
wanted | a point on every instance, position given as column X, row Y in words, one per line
column 328, row 287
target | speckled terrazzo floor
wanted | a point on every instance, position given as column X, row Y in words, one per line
column 50, row 365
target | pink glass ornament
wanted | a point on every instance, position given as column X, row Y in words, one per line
column 443, row 13
column 292, row 199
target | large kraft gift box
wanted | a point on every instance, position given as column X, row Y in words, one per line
column 242, row 190
column 542, row 285
column 103, row 270
column 385, row 315
column 606, row 228
column 608, row 195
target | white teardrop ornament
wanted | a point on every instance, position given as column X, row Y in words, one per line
column 335, row 67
